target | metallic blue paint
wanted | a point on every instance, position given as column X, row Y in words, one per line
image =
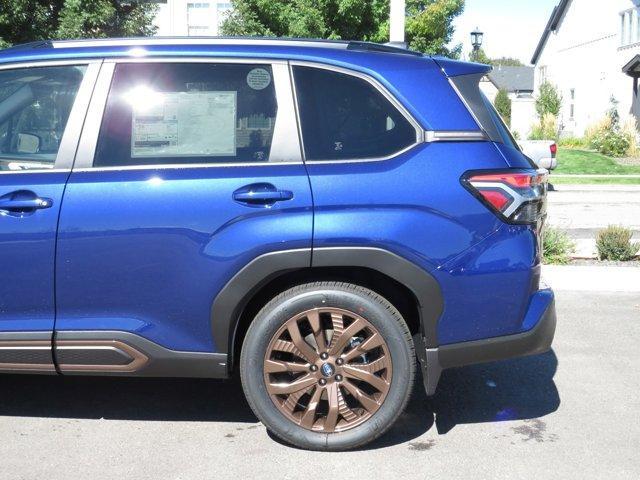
column 147, row 251
column 27, row 246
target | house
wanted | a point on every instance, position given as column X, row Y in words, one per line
column 519, row 83
column 591, row 51
column 189, row 18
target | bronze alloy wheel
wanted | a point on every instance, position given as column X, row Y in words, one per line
column 327, row 369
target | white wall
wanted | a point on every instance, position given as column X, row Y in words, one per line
column 190, row 17
column 523, row 115
column 585, row 55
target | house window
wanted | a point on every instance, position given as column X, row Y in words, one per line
column 222, row 12
column 572, row 95
column 543, row 73
column 629, row 27
column 198, row 18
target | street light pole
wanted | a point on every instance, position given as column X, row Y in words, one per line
column 396, row 21
column 476, row 42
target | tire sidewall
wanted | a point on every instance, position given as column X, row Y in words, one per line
column 384, row 318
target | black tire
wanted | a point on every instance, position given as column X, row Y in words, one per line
column 377, row 311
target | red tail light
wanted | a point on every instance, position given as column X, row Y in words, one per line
column 554, row 149
column 516, row 196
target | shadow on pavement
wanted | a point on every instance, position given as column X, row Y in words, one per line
column 509, row 390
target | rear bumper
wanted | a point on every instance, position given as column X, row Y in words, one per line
column 550, row 163
column 541, row 320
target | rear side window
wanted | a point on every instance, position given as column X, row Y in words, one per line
column 345, row 117
column 185, row 113
column 35, row 104
column 484, row 112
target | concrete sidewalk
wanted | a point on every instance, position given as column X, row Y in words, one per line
column 592, row 278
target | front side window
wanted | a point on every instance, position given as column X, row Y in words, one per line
column 186, row 113
column 345, row 117
column 35, row 104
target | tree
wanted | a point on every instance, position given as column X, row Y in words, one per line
column 428, row 23
column 429, row 26
column 503, row 105
column 549, row 100
column 480, row 57
column 28, row 20
column 506, row 62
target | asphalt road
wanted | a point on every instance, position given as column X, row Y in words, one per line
column 569, row 413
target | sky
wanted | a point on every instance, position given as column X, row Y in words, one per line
column 511, row 28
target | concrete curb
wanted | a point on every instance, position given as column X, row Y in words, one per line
column 592, row 278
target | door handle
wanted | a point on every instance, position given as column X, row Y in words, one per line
column 261, row 195
column 23, row 201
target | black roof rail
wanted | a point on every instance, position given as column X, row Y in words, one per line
column 379, row 47
column 30, row 45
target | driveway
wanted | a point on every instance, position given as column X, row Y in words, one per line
column 569, row 413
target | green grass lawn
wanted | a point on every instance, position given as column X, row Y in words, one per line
column 593, row 181
column 584, row 162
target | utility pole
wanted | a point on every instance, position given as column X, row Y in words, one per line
column 396, row 21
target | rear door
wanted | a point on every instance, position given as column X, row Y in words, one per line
column 193, row 171
column 42, row 107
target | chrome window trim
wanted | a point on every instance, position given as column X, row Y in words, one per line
column 455, row 136
column 420, row 132
column 283, row 136
column 69, row 141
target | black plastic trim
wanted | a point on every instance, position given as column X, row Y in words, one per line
column 424, row 287
column 537, row 340
column 234, row 296
column 161, row 361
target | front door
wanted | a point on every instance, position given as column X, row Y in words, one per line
column 196, row 170
column 41, row 113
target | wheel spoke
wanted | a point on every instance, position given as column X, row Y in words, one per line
column 331, row 420
column 345, row 336
column 338, row 327
column 348, row 414
column 275, row 366
column 309, row 354
column 297, row 385
column 287, row 347
column 376, row 382
column 292, row 400
column 309, row 415
column 318, row 333
column 375, row 366
column 369, row 404
column 370, row 343
column 295, row 366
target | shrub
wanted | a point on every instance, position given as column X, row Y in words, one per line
column 611, row 143
column 614, row 243
column 503, row 105
column 572, row 142
column 629, row 127
column 556, row 246
column 611, row 137
column 545, row 129
column 549, row 100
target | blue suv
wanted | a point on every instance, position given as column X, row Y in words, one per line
column 313, row 215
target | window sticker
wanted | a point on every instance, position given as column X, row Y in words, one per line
column 258, row 78
column 178, row 124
